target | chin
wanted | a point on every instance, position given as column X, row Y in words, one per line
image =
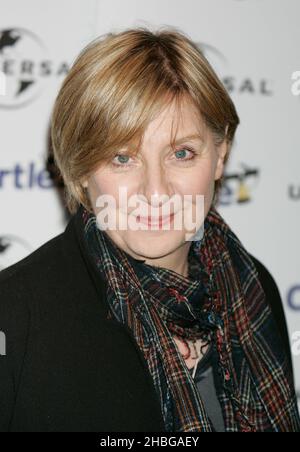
column 153, row 249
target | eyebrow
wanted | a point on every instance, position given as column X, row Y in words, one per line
column 179, row 140
column 189, row 137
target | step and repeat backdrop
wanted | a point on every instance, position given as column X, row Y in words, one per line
column 254, row 45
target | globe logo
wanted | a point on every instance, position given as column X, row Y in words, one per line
column 21, row 54
column 12, row 250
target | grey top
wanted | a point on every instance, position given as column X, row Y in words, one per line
column 204, row 380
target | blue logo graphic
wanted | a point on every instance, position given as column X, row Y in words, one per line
column 24, row 177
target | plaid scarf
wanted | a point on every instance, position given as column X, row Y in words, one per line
column 221, row 301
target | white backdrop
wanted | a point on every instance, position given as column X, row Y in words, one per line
column 254, row 47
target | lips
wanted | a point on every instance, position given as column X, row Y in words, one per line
column 155, row 220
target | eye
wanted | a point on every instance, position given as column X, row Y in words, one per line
column 122, row 158
column 181, row 153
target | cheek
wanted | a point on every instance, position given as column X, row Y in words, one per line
column 200, row 181
column 110, row 192
column 102, row 184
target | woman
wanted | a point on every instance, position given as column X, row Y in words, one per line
column 143, row 327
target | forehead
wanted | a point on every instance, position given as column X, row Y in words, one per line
column 175, row 123
column 177, row 116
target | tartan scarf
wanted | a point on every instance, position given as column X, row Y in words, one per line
column 221, row 301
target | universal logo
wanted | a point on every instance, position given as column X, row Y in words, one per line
column 248, row 84
column 2, row 84
column 25, row 67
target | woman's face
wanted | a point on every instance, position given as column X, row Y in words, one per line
column 155, row 176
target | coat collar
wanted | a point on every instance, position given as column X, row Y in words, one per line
column 78, row 254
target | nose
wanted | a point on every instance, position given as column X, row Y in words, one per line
column 156, row 187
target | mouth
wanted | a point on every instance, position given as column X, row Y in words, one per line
column 155, row 221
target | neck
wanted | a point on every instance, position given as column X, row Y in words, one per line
column 177, row 261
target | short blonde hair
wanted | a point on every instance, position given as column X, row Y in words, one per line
column 116, row 86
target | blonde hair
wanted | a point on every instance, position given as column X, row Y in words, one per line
column 116, row 86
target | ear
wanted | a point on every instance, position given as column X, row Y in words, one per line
column 222, row 150
column 85, row 183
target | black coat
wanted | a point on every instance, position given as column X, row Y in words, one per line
column 66, row 367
